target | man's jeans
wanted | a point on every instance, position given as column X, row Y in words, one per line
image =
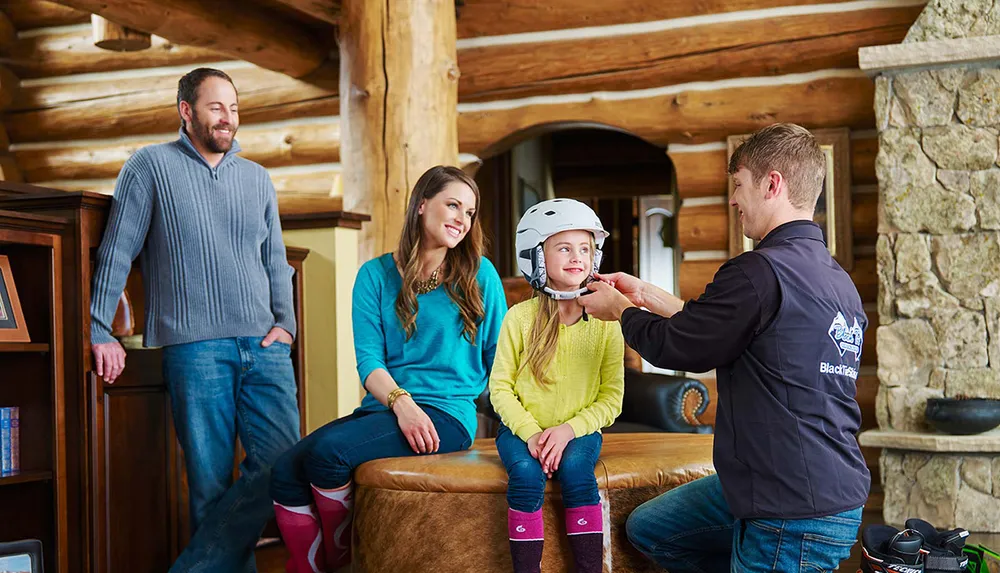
column 690, row 529
column 218, row 389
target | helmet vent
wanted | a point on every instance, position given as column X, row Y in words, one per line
column 550, row 213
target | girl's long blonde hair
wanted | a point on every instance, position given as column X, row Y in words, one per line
column 461, row 262
column 543, row 340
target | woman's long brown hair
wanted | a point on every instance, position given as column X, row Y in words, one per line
column 461, row 262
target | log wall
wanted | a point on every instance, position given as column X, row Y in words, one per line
column 680, row 74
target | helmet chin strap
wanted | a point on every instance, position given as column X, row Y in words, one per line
column 569, row 295
column 565, row 294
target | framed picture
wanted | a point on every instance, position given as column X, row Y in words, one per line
column 21, row 556
column 12, row 327
column 833, row 208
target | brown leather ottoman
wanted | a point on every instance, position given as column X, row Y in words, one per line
column 448, row 513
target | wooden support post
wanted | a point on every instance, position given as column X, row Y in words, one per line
column 398, row 107
column 118, row 38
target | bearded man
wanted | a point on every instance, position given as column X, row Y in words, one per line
column 218, row 300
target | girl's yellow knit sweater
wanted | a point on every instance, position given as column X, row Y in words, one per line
column 586, row 376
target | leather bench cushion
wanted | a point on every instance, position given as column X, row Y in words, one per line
column 656, row 460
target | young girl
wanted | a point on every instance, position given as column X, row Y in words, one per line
column 426, row 319
column 557, row 379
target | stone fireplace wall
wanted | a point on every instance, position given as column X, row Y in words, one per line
column 938, row 257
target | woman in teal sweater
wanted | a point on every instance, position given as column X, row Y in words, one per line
column 426, row 321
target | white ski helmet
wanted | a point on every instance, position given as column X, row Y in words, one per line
column 544, row 220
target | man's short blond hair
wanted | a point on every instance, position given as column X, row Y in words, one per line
column 790, row 150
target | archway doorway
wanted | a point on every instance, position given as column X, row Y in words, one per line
column 630, row 183
column 620, row 175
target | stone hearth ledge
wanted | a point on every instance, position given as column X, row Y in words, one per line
column 987, row 442
column 983, row 50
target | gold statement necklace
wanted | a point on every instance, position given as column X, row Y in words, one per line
column 432, row 282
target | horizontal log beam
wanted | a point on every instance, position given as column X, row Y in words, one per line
column 863, row 154
column 501, row 17
column 280, row 145
column 320, row 181
column 74, row 52
column 10, row 86
column 239, row 29
column 29, row 14
column 604, row 147
column 692, row 116
column 694, row 275
column 324, row 10
column 701, row 173
column 864, row 218
column 608, row 182
column 865, row 278
column 8, row 35
column 703, row 227
column 775, row 46
column 706, row 227
column 9, row 170
column 147, row 105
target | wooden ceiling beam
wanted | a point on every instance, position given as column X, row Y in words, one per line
column 499, row 17
column 283, row 145
column 63, row 53
column 324, row 10
column 706, row 52
column 239, row 29
column 148, row 105
column 30, row 14
column 693, row 117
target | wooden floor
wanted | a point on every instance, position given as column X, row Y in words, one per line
column 271, row 559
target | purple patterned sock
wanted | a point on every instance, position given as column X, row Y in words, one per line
column 527, row 534
column 585, row 527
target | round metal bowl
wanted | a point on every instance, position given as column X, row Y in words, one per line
column 963, row 416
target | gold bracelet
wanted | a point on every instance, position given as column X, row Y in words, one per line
column 391, row 398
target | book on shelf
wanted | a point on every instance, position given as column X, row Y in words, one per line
column 10, row 440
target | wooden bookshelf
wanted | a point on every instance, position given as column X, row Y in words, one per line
column 23, row 347
column 34, row 499
column 25, row 477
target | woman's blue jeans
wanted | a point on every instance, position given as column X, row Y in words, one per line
column 690, row 528
column 526, row 480
column 328, row 456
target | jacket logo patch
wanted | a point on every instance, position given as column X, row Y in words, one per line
column 846, row 338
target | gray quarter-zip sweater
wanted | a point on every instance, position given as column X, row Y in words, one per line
column 209, row 241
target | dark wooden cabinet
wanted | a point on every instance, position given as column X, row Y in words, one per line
column 127, row 505
column 135, row 469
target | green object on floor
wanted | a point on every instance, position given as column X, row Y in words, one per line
column 982, row 560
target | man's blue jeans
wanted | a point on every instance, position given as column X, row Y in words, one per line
column 526, row 480
column 690, row 528
column 220, row 389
